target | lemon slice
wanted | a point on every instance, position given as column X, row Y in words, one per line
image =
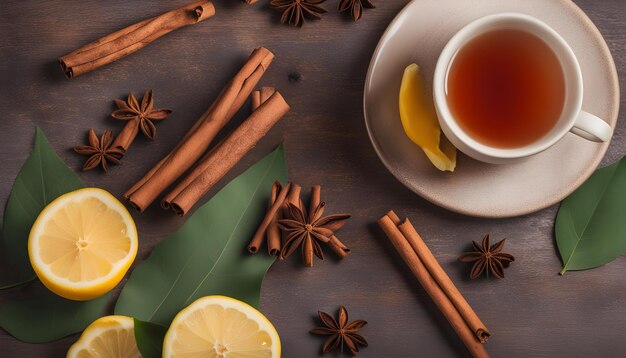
column 107, row 337
column 82, row 244
column 221, row 327
column 420, row 122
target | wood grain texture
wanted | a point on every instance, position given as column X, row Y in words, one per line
column 320, row 69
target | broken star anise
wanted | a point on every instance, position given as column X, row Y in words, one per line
column 296, row 11
column 355, row 7
column 341, row 332
column 100, row 151
column 308, row 231
column 487, row 258
column 142, row 114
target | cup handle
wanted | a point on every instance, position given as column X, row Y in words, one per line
column 592, row 128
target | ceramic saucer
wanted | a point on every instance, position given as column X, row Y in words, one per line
column 418, row 34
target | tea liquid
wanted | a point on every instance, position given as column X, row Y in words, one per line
column 506, row 88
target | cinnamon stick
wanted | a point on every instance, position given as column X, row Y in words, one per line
column 444, row 281
column 273, row 232
column 127, row 134
column 130, row 39
column 293, row 198
column 271, row 213
column 255, row 243
column 431, row 286
column 199, row 137
column 266, row 93
column 225, row 155
column 259, row 97
column 316, row 197
column 442, row 278
column 255, row 100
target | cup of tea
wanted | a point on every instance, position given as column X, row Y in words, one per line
column 507, row 86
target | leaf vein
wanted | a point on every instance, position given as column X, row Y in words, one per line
column 267, row 170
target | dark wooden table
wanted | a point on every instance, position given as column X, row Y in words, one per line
column 321, row 70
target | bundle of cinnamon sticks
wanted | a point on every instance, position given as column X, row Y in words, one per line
column 280, row 197
column 268, row 107
column 130, row 39
column 436, row 282
column 308, row 229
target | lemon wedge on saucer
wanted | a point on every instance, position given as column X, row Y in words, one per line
column 420, row 122
column 109, row 336
column 82, row 244
column 219, row 326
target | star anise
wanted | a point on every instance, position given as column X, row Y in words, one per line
column 296, row 11
column 142, row 114
column 309, row 231
column 341, row 332
column 355, row 7
column 100, row 151
column 487, row 258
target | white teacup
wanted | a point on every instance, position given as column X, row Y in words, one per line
column 572, row 119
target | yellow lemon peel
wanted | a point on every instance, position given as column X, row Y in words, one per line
column 420, row 122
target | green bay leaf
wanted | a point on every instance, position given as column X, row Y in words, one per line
column 42, row 316
column 590, row 226
column 35, row 314
column 149, row 337
column 43, row 178
column 207, row 255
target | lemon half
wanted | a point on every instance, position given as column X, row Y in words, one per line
column 107, row 337
column 82, row 244
column 219, row 326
